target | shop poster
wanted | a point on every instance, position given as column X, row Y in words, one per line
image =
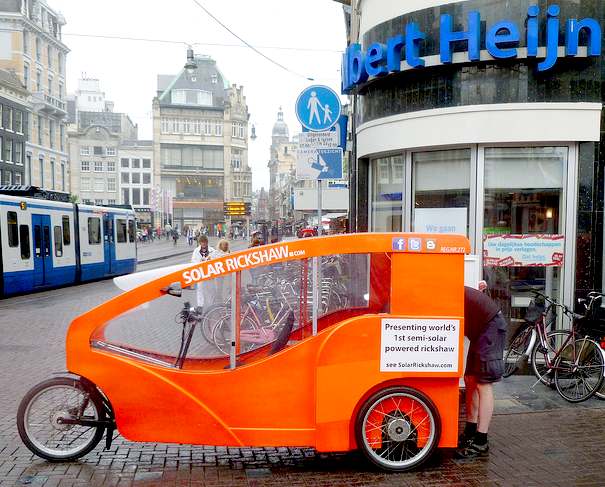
column 523, row 250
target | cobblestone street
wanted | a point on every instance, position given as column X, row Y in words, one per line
column 536, row 438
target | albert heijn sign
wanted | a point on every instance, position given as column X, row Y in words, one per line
column 502, row 41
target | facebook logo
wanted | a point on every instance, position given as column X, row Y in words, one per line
column 399, row 244
column 415, row 244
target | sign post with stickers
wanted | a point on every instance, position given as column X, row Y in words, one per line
column 319, row 155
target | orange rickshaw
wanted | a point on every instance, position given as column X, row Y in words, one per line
column 337, row 343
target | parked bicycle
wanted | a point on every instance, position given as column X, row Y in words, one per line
column 570, row 360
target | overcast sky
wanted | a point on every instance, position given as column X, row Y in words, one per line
column 128, row 69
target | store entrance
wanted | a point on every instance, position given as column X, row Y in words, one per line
column 523, row 245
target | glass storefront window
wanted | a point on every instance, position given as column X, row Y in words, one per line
column 387, row 194
column 441, row 189
column 524, row 202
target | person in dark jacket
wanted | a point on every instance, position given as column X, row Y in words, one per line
column 485, row 327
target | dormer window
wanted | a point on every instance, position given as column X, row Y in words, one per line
column 214, row 79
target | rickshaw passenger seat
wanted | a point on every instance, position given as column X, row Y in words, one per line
column 284, row 335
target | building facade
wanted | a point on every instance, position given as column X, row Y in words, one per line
column 200, row 145
column 14, row 113
column 280, row 138
column 499, row 139
column 136, row 181
column 31, row 46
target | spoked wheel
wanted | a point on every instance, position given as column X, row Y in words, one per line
column 41, row 416
column 211, row 318
column 554, row 341
column 579, row 370
column 517, row 350
column 398, row 428
column 221, row 335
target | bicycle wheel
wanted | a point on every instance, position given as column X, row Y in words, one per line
column 554, row 341
column 579, row 370
column 211, row 318
column 45, row 406
column 398, row 428
column 517, row 350
column 221, row 335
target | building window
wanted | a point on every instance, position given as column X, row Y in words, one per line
column 50, row 86
column 136, row 163
column 26, row 42
column 136, row 196
column 186, row 126
column 18, row 179
column 49, row 54
column 146, row 178
column 84, row 151
column 99, row 185
column 1, row 147
column 85, row 166
column 136, row 178
column 8, row 177
column 111, row 202
column 111, row 184
column 94, row 231
column 62, row 176
column 164, row 125
column 39, row 81
column 191, row 97
column 124, row 162
column 111, row 166
column 60, row 92
column 98, row 150
column 9, row 118
column 26, row 76
column 19, row 153
column 60, row 62
column 38, row 49
column 387, row 194
column 125, row 178
column 441, row 189
column 52, row 174
column 13, row 229
column 110, row 151
column 146, row 163
column 207, row 127
column 218, row 128
column 40, row 129
column 98, row 166
column 62, row 136
column 28, row 169
column 51, row 132
column 85, row 183
column 8, row 150
column 18, row 121
column 146, row 196
column 236, row 159
column 41, row 161
column 237, row 130
column 197, row 126
column 125, row 196
column 99, row 202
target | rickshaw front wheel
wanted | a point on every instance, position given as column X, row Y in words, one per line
column 398, row 428
column 60, row 419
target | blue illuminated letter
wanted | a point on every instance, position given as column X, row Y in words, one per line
column 375, row 58
column 413, row 36
column 496, row 36
column 472, row 36
column 552, row 39
column 572, row 36
column 356, row 66
column 394, row 45
column 532, row 30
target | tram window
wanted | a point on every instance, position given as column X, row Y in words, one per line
column 38, row 241
column 46, row 231
column 94, row 231
column 24, row 237
column 66, row 231
column 13, row 231
column 121, row 230
column 131, row 230
column 58, row 241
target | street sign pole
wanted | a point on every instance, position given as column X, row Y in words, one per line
column 319, row 205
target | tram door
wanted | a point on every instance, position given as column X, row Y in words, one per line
column 43, row 263
column 109, row 244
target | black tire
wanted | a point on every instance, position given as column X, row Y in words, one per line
column 93, row 409
column 517, row 350
column 554, row 339
column 398, row 428
column 577, row 384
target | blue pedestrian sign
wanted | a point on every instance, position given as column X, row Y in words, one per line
column 318, row 108
column 329, row 163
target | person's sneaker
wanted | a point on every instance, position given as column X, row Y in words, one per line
column 464, row 438
column 472, row 450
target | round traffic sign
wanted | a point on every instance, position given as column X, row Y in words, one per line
column 318, row 108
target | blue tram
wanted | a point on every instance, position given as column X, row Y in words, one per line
column 46, row 241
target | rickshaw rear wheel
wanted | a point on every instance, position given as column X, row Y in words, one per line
column 398, row 428
column 44, row 408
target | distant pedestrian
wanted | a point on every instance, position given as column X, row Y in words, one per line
column 202, row 253
column 485, row 327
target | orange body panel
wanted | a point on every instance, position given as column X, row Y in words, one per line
column 307, row 394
